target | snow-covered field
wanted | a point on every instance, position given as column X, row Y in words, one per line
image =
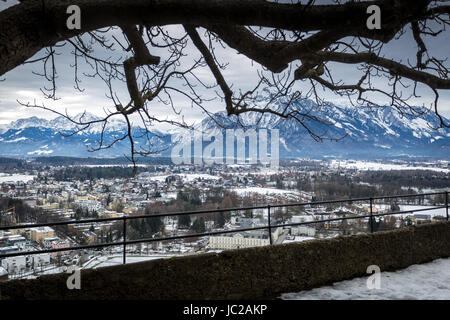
column 107, row 165
column 266, row 191
column 433, row 212
column 429, row 281
column 262, row 172
column 185, row 177
column 377, row 166
column 4, row 177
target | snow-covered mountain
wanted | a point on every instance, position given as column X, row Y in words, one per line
column 365, row 133
column 34, row 136
column 360, row 131
column 63, row 124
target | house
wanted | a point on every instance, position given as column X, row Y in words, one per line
column 16, row 240
column 91, row 237
column 420, row 218
column 90, row 205
column 40, row 260
column 56, row 243
column 14, row 264
column 8, row 250
column 40, row 233
column 439, row 218
column 303, row 231
column 250, row 222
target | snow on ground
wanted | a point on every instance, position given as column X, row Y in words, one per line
column 267, row 191
column 262, row 171
column 298, row 239
column 376, row 166
column 4, row 177
column 265, row 171
column 106, row 261
column 107, row 165
column 185, row 177
column 433, row 212
column 171, row 195
column 429, row 281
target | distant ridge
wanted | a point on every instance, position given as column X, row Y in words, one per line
column 368, row 133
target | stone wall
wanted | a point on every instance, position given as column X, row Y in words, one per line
column 252, row 273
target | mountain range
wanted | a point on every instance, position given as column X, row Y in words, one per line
column 361, row 132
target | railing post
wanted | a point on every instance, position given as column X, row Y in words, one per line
column 446, row 203
column 371, row 215
column 124, row 240
column 270, row 228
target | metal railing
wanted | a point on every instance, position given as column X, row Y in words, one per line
column 268, row 227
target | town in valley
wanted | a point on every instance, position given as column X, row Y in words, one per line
column 45, row 190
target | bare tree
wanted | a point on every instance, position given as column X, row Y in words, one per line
column 295, row 43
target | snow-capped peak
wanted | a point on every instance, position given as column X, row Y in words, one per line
column 63, row 124
column 28, row 122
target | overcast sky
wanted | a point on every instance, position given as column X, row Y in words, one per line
column 21, row 84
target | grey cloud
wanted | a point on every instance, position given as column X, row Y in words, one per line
column 241, row 74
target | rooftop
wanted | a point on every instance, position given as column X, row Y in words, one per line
column 42, row 229
column 3, row 272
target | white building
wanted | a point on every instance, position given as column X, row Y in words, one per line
column 17, row 240
column 14, row 264
column 238, row 240
column 243, row 240
column 90, row 205
column 303, row 231
column 39, row 260
column 7, row 250
column 20, row 263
